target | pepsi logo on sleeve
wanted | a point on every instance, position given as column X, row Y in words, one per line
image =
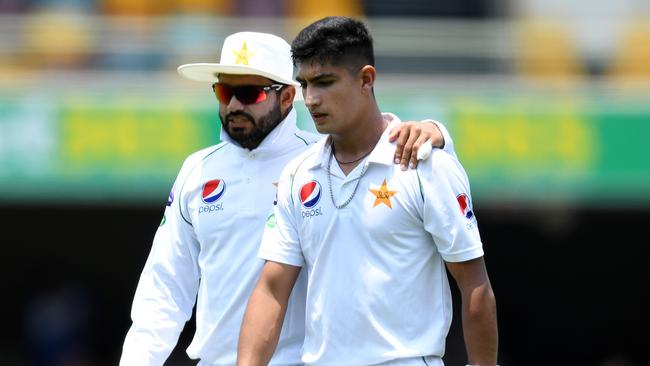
column 465, row 205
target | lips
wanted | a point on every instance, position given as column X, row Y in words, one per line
column 239, row 122
column 318, row 116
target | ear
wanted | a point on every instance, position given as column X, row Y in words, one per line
column 368, row 76
column 286, row 96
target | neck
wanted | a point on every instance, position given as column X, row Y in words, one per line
column 361, row 138
column 350, row 148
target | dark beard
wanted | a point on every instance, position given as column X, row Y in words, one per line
column 261, row 128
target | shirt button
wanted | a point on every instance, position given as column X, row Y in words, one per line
column 251, row 155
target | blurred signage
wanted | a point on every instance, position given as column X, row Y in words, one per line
column 555, row 150
column 118, row 149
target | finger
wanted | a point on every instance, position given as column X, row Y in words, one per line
column 425, row 149
column 423, row 145
column 408, row 152
column 394, row 132
column 399, row 146
column 435, row 135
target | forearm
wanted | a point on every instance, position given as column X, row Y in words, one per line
column 260, row 328
column 154, row 332
column 480, row 326
column 143, row 347
column 162, row 305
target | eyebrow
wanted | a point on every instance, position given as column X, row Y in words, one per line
column 316, row 78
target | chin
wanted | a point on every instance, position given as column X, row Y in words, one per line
column 239, row 133
column 323, row 128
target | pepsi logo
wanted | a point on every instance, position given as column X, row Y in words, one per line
column 310, row 193
column 213, row 190
column 465, row 205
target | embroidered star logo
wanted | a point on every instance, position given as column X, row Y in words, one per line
column 383, row 195
column 243, row 55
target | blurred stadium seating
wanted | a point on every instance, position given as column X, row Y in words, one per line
column 631, row 60
column 86, row 73
column 550, row 113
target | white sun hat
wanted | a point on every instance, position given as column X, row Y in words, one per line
column 247, row 53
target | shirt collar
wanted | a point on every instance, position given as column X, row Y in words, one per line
column 382, row 153
column 274, row 142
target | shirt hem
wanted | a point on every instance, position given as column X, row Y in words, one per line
column 275, row 257
column 463, row 256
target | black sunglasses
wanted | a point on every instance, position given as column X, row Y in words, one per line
column 246, row 94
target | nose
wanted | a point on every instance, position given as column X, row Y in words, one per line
column 235, row 104
column 311, row 98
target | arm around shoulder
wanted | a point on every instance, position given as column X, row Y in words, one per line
column 414, row 141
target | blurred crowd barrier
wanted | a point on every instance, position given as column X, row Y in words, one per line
column 544, row 50
column 91, row 108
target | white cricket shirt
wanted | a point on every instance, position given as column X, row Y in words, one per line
column 206, row 246
column 377, row 286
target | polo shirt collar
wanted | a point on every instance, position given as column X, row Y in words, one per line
column 382, row 153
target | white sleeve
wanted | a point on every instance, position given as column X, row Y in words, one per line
column 449, row 143
column 167, row 289
column 447, row 208
column 281, row 242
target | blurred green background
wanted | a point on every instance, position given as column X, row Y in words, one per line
column 580, row 146
column 548, row 103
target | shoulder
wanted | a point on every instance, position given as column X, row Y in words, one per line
column 307, row 138
column 303, row 161
column 441, row 165
column 205, row 153
column 441, row 158
column 199, row 158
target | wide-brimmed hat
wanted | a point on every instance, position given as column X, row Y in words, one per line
column 247, row 53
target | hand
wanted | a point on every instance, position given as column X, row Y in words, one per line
column 411, row 136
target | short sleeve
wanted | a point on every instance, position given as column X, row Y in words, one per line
column 281, row 242
column 448, row 212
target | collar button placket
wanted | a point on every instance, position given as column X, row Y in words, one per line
column 354, row 190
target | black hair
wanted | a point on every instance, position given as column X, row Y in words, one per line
column 338, row 40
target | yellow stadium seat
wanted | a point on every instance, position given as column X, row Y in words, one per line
column 57, row 39
column 316, row 9
column 547, row 53
column 632, row 58
column 304, row 12
column 136, row 7
column 203, row 7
